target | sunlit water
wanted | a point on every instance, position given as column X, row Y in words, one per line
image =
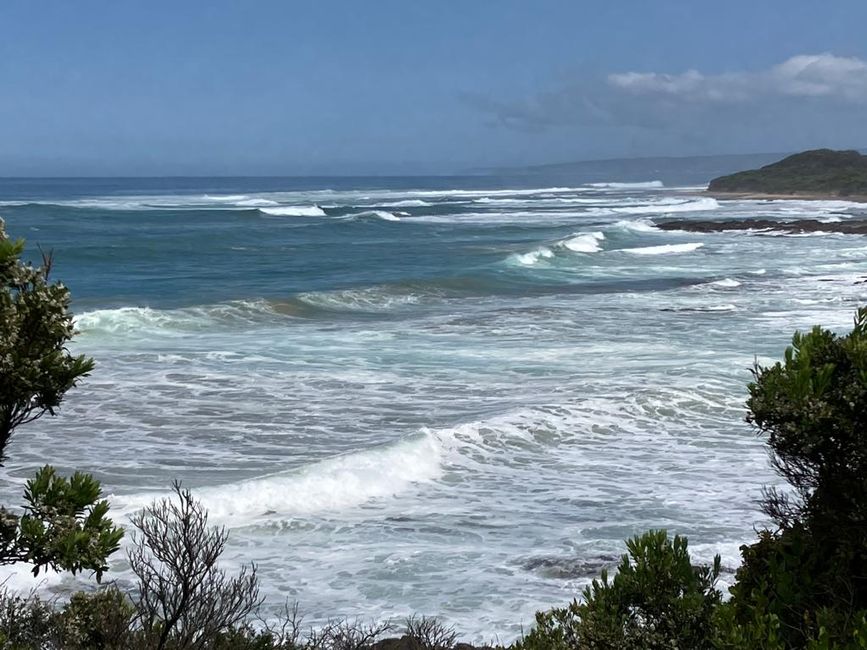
column 425, row 397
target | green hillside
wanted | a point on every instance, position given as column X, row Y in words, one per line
column 820, row 171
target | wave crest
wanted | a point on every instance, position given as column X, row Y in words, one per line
column 294, row 211
column 665, row 249
column 645, row 185
column 337, row 483
column 135, row 320
column 584, row 242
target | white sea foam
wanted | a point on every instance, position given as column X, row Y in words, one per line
column 667, row 206
column 481, row 193
column 376, row 214
column 584, row 242
column 295, row 211
column 646, row 185
column 408, row 203
column 725, row 307
column 137, row 320
column 639, row 225
column 665, row 249
column 256, row 203
column 533, row 257
column 726, row 283
column 19, row 578
column 228, row 198
column 338, row 483
column 365, row 299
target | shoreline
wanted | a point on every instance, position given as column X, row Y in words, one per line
column 806, row 196
column 797, row 226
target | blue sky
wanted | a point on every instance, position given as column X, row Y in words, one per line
column 381, row 86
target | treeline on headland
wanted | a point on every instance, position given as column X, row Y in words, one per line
column 802, row 583
column 816, row 173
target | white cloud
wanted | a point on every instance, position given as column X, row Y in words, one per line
column 807, row 75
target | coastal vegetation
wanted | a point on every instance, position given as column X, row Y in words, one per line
column 802, row 583
column 64, row 524
column 820, row 172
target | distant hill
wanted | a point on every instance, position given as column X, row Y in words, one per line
column 820, row 172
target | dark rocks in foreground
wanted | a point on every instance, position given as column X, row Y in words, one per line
column 848, row 227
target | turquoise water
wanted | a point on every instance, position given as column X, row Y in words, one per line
column 452, row 396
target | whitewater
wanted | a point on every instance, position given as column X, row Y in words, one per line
column 448, row 396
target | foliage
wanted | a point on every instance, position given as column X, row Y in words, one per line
column 101, row 619
column 25, row 622
column 810, row 574
column 813, row 409
column 184, row 600
column 36, row 369
column 822, row 171
column 657, row 599
column 65, row 524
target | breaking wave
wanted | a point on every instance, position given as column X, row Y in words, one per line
column 367, row 299
column 295, row 211
column 646, row 185
column 665, row 249
column 588, row 242
column 374, row 214
column 668, row 206
column 533, row 257
column 639, row 225
column 584, row 243
column 337, row 483
column 138, row 320
column 726, row 283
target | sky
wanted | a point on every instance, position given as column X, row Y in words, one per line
column 282, row 87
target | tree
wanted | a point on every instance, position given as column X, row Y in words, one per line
column 36, row 368
column 65, row 524
column 810, row 573
column 813, row 410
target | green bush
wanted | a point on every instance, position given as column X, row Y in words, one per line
column 657, row 599
column 25, row 622
column 810, row 574
column 65, row 524
column 101, row 619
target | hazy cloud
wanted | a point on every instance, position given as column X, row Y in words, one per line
column 655, row 100
column 806, row 75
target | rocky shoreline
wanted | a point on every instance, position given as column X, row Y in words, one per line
column 797, row 196
column 800, row 226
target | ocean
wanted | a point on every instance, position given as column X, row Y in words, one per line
column 454, row 396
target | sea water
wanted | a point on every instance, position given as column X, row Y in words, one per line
column 449, row 396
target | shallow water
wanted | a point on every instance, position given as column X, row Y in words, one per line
column 446, row 396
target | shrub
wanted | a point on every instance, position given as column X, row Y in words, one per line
column 184, row 600
column 101, row 619
column 25, row 621
column 657, row 599
column 813, row 410
column 810, row 574
column 428, row 633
